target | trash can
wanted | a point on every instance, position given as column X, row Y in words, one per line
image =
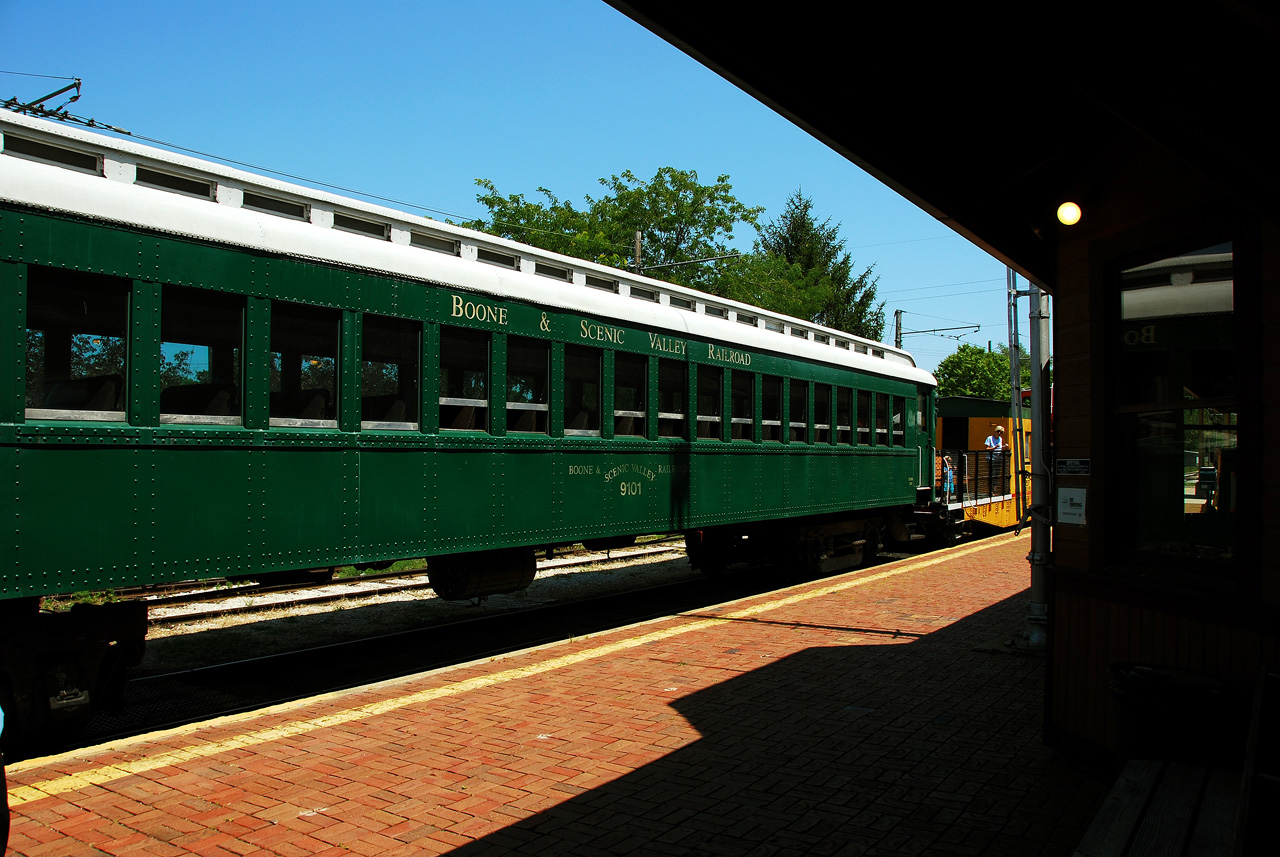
column 1169, row 713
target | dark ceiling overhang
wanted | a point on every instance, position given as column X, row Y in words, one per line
column 988, row 116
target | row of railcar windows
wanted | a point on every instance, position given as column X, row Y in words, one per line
column 77, row 342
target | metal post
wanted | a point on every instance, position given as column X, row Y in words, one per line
column 897, row 328
column 1041, row 490
column 1017, row 452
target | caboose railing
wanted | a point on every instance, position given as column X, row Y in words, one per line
column 976, row 474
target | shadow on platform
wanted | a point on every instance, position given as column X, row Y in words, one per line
column 913, row 747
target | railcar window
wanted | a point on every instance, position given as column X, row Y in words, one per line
column 864, row 417
column 279, row 207
column 433, row 242
column 304, row 359
column 601, row 283
column 715, row 311
column 630, row 394
column 710, row 401
column 552, row 271
column 844, row 415
column 750, row 320
column 582, row 369
column 673, row 390
column 799, row 420
column 201, row 188
column 203, row 337
column 389, row 372
column 775, row 326
column 528, row 371
column 744, row 403
column 682, row 303
column 842, row 343
column 882, row 419
column 493, row 257
column 464, row 379
column 644, row 294
column 771, row 403
column 360, row 226
column 899, row 421
column 822, row 338
column 37, row 151
column 76, row 336
column 822, row 413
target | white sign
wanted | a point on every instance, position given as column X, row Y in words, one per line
column 1071, row 506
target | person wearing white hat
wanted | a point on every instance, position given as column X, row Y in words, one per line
column 995, row 460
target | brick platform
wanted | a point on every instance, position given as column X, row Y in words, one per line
column 849, row 716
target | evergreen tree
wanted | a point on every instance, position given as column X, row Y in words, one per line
column 817, row 252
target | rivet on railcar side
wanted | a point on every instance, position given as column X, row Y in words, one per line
column 220, row 374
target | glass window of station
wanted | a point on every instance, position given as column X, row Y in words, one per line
column 1175, row 396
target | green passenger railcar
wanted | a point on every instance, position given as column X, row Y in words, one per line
column 212, row 373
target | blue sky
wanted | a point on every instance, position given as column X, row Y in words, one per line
column 416, row 100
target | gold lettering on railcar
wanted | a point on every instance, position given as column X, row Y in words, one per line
column 728, row 355
column 601, row 332
column 639, row 469
column 667, row 344
column 477, row 311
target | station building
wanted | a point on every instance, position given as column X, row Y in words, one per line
column 1154, row 120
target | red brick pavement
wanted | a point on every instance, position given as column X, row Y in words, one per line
column 847, row 716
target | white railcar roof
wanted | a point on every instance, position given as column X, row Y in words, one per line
column 113, row 192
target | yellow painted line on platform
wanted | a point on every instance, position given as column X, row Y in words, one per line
column 19, row 795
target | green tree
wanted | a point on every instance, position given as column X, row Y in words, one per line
column 679, row 219
column 775, row 284
column 821, row 264
column 974, row 371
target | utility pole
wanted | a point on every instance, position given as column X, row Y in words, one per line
column 897, row 328
column 637, row 256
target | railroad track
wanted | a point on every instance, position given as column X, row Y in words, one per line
column 212, row 684
column 257, row 597
column 197, row 693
